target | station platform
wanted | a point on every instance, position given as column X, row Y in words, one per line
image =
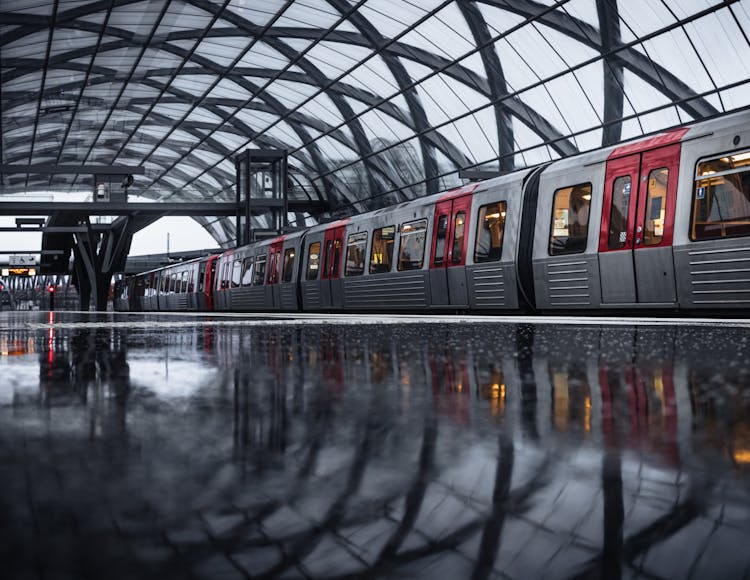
column 327, row 446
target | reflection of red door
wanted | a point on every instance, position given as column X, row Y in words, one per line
column 450, row 234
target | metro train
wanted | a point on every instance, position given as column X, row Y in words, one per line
column 661, row 223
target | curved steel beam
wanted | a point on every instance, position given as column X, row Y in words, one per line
column 628, row 57
column 496, row 81
column 614, row 92
column 404, row 82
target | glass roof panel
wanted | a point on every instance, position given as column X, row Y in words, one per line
column 31, row 44
column 566, row 49
column 658, row 120
column 498, row 20
column 321, row 107
column 285, row 134
column 223, row 50
column 674, row 51
column 259, row 12
column 392, row 17
column 182, row 16
column 290, row 92
column 378, row 126
column 641, row 17
column 536, row 52
column 137, row 18
column 446, row 34
column 584, row 11
column 67, row 40
column 736, row 97
column 229, row 89
column 641, row 94
column 575, row 106
column 26, row 7
column 477, row 143
column 203, row 115
column 334, row 58
column 721, row 46
column 309, row 14
column 262, row 55
column 373, row 76
column 193, row 84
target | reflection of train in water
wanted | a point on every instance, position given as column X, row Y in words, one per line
column 663, row 222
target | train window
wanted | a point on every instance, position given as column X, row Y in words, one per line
column 236, row 273
column 247, row 271
column 313, row 261
column 459, row 226
column 490, row 230
column 288, row 270
column 411, row 254
column 618, row 213
column 173, row 283
column 336, row 259
column 190, row 287
column 656, row 206
column 381, row 254
column 260, row 271
column 442, row 234
column 721, row 198
column 356, row 250
column 570, row 220
column 201, row 276
column 327, row 258
column 273, row 268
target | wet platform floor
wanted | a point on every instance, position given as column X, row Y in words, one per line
column 173, row 446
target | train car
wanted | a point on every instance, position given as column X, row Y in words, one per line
column 261, row 276
column 658, row 223
column 654, row 224
column 182, row 286
column 446, row 251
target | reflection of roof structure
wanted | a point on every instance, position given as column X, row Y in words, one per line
column 377, row 100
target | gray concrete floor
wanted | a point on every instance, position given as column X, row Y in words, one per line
column 174, row 446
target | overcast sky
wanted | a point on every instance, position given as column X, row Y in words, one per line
column 184, row 234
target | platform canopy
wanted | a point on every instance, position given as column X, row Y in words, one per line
column 377, row 101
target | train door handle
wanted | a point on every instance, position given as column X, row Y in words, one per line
column 639, row 229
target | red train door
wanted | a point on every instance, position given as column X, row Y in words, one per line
column 273, row 290
column 331, row 287
column 635, row 241
column 448, row 256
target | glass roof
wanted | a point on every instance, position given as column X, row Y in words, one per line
column 377, row 101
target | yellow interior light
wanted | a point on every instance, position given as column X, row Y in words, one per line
column 586, row 196
column 741, row 156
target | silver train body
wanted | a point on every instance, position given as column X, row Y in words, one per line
column 661, row 223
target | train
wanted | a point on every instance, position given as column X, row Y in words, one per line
column 659, row 223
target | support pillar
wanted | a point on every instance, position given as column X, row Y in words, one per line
column 97, row 255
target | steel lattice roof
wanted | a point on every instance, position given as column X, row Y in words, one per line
column 377, row 100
